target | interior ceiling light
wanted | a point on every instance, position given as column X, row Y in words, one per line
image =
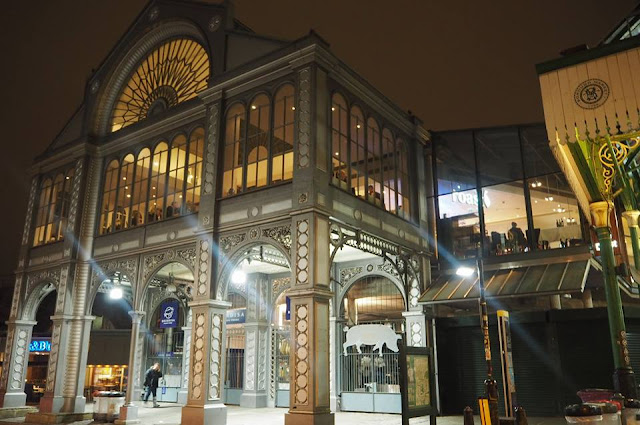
column 115, row 293
column 238, row 277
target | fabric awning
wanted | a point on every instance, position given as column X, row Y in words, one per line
column 539, row 279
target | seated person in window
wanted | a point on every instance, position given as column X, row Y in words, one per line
column 516, row 237
column 173, row 210
column 136, row 218
column 152, row 215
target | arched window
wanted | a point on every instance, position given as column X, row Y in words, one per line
column 61, row 210
column 232, row 181
column 374, row 168
column 172, row 73
column 194, row 170
column 340, row 141
column 109, row 196
column 389, row 170
column 258, row 141
column 43, row 209
column 140, row 188
column 177, row 178
column 357, row 158
column 123, row 203
column 158, row 177
column 282, row 141
column 404, row 209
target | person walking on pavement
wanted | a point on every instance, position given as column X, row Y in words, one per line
column 151, row 383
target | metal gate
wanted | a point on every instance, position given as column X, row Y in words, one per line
column 280, row 352
column 166, row 348
column 234, row 374
column 370, row 382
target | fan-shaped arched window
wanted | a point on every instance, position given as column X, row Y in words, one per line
column 261, row 152
column 172, row 73
column 110, row 188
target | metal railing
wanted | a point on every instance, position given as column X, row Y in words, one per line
column 234, row 373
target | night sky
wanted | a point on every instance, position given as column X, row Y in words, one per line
column 454, row 64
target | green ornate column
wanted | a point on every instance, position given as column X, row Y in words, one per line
column 623, row 377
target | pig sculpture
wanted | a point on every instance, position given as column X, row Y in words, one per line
column 376, row 335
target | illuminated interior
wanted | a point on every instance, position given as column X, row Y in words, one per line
column 368, row 163
column 173, row 73
column 152, row 187
column 53, row 208
column 260, row 153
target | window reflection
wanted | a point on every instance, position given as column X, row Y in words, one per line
column 261, row 152
column 505, row 217
column 459, row 224
column 556, row 217
column 368, row 161
column 150, row 187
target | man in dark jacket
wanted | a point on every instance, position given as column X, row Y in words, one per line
column 151, row 383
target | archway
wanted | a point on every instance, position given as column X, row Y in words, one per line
column 39, row 348
column 108, row 354
column 251, row 278
column 166, row 329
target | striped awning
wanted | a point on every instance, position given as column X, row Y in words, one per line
column 540, row 279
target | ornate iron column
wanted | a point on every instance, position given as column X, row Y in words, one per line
column 623, row 377
column 15, row 369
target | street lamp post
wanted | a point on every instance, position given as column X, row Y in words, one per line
column 490, row 384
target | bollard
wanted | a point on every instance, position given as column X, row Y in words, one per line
column 468, row 416
column 521, row 416
column 491, row 388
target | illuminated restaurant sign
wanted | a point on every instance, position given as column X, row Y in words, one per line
column 470, row 197
column 40, row 345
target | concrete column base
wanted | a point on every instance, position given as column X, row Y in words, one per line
column 182, row 396
column 309, row 418
column 204, row 415
column 334, row 403
column 128, row 415
column 253, row 400
column 51, row 404
column 56, row 418
column 17, row 399
column 16, row 412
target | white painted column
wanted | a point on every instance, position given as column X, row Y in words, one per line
column 15, row 370
column 53, row 400
column 415, row 328
column 186, row 350
column 129, row 412
column 256, row 353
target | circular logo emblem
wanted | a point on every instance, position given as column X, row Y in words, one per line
column 591, row 94
column 168, row 313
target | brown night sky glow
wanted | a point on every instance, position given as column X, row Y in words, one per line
column 454, row 64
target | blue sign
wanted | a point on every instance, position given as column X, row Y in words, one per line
column 169, row 314
column 288, row 312
column 40, row 345
column 236, row 315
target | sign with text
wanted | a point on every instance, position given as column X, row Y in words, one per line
column 415, row 383
column 39, row 345
column 236, row 316
column 169, row 314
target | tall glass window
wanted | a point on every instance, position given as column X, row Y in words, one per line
column 357, row 153
column 140, row 188
column 123, row 202
column 260, row 153
column 40, row 235
column 367, row 161
column 110, row 187
column 158, row 182
column 258, row 142
column 505, row 218
column 232, row 181
column 194, row 170
column 282, row 141
column 340, row 141
column 176, row 178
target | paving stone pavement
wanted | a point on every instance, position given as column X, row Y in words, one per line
column 169, row 414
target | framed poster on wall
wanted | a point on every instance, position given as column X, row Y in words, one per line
column 416, row 376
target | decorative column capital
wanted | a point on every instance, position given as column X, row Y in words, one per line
column 631, row 217
column 136, row 315
column 600, row 213
column 18, row 322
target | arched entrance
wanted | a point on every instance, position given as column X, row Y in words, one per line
column 281, row 347
column 108, row 354
column 253, row 276
column 369, row 381
column 166, row 329
column 39, row 347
